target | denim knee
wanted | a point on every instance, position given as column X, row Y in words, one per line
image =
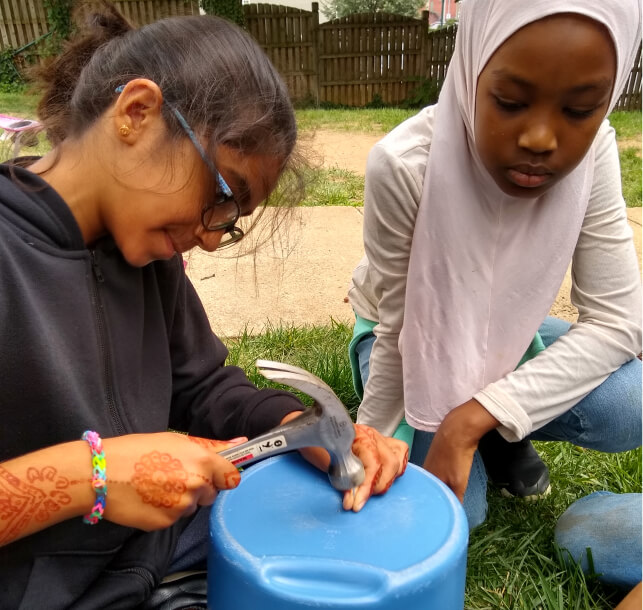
column 614, row 409
column 610, row 526
column 608, row 419
column 551, row 329
column 363, row 350
column 191, row 551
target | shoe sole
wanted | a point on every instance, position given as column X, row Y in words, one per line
column 531, row 493
column 534, row 497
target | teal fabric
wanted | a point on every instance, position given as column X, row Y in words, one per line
column 362, row 327
column 535, row 347
column 405, row 432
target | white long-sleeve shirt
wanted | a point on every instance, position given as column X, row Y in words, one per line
column 606, row 289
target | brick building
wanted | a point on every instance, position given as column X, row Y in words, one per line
column 441, row 11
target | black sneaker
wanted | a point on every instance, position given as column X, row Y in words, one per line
column 516, row 468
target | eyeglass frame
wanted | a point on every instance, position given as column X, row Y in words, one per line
column 230, row 227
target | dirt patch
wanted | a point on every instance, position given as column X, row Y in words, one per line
column 337, row 149
column 630, row 143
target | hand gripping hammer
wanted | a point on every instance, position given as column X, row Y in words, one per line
column 326, row 424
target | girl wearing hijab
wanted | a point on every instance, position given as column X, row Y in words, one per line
column 474, row 210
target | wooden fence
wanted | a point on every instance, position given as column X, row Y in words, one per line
column 24, row 21
column 631, row 97
column 141, row 12
column 350, row 61
column 371, row 56
column 441, row 44
column 21, row 22
column 289, row 38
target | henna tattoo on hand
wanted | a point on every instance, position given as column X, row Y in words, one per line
column 365, row 440
column 198, row 440
column 405, row 462
column 209, row 443
column 232, row 479
column 160, row 479
column 35, row 499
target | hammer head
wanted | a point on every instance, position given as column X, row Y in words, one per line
column 327, row 424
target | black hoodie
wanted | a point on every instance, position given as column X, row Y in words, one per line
column 91, row 343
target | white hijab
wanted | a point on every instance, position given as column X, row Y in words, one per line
column 484, row 267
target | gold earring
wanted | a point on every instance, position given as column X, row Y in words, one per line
column 124, row 130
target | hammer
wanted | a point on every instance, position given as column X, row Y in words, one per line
column 326, row 424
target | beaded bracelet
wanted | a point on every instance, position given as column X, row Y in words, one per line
column 99, row 478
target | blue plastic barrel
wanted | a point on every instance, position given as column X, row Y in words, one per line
column 282, row 540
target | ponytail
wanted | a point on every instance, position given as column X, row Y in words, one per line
column 57, row 78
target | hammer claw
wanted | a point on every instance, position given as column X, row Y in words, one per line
column 267, row 368
column 320, row 393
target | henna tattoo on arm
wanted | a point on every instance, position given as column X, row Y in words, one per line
column 35, row 499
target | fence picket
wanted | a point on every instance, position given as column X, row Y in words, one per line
column 631, row 96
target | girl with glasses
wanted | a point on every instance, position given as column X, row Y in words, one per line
column 163, row 137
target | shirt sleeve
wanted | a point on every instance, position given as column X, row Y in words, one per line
column 212, row 399
column 391, row 196
column 606, row 289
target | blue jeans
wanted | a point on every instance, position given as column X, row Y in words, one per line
column 191, row 552
column 592, row 423
column 615, row 545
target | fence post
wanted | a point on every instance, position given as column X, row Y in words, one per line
column 425, row 55
column 314, row 36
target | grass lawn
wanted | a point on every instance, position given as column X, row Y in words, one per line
column 367, row 120
column 22, row 105
column 512, row 560
column 333, row 186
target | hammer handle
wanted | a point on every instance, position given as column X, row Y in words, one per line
column 295, row 434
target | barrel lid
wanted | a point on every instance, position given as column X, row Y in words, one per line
column 286, row 507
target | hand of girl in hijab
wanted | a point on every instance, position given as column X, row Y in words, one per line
column 454, row 444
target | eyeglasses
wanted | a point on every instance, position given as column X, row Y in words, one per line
column 226, row 206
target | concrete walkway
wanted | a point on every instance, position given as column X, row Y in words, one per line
column 301, row 275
